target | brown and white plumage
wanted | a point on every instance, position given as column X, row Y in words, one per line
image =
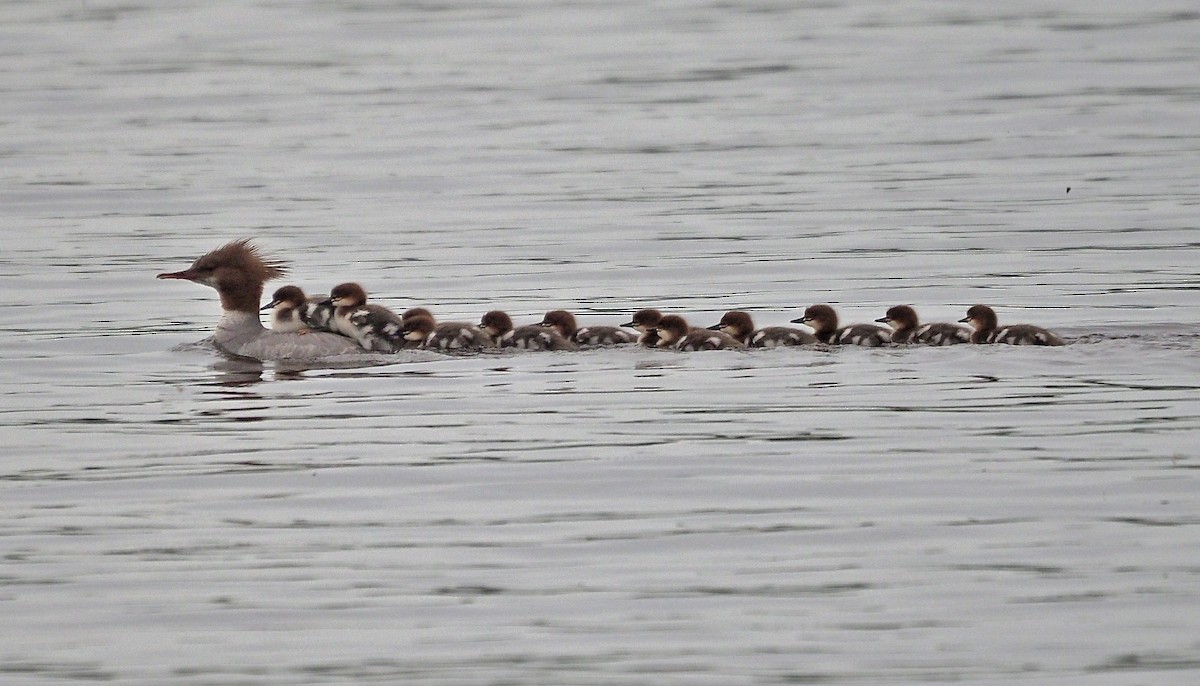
column 907, row 328
column 824, row 322
column 740, row 325
column 987, row 330
column 674, row 332
column 564, row 323
column 375, row 327
column 423, row 330
column 500, row 327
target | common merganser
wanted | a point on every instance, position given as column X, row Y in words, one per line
column 375, row 327
column 645, row 321
column 983, row 319
column 499, row 326
column 564, row 323
column 292, row 311
column 445, row 336
column 824, row 322
column 238, row 271
column 674, row 332
column 907, row 328
column 740, row 325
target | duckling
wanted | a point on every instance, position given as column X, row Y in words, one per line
column 907, row 328
column 741, row 326
column 445, row 336
column 375, row 327
column 983, row 319
column 564, row 323
column 673, row 332
column 499, row 326
column 824, row 321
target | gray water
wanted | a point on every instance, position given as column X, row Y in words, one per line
column 964, row 515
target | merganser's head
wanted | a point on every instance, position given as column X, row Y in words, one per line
column 670, row 329
column 980, row 317
column 821, row 318
column 236, row 270
column 900, row 318
column 496, row 323
column 417, row 327
column 561, row 321
column 286, row 297
column 348, row 295
column 645, row 320
column 735, row 323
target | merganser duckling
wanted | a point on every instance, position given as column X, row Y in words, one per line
column 825, row 326
column 564, row 323
column 674, row 332
column 238, row 271
column 983, row 319
column 499, row 326
column 907, row 328
column 645, row 321
column 741, row 326
column 423, row 330
column 292, row 311
column 375, row 327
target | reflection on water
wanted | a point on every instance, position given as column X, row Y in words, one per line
column 627, row 516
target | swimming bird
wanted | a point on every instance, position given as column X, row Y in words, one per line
column 644, row 321
column 444, row 336
column 907, row 328
column 740, row 325
column 674, row 332
column 824, row 322
column 237, row 271
column 983, row 319
column 499, row 326
column 564, row 323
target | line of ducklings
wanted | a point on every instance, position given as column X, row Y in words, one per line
column 376, row 328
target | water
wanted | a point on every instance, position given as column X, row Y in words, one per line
column 977, row 515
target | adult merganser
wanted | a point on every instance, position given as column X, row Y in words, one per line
column 825, row 326
column 375, row 327
column 983, row 319
column 564, row 323
column 645, row 321
column 499, row 326
column 238, row 271
column 907, row 328
column 445, row 336
column 673, row 332
column 741, row 326
column 292, row 311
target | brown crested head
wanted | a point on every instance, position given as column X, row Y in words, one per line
column 237, row 270
column 496, row 323
column 900, row 318
column 980, row 317
column 561, row 321
column 348, row 294
column 670, row 329
column 735, row 323
column 644, row 320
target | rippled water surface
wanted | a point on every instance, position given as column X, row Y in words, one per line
column 850, row 516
